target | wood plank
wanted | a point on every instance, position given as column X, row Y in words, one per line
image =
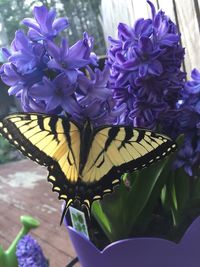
column 197, row 7
column 53, row 233
column 140, row 9
column 168, row 8
column 190, row 33
column 24, row 190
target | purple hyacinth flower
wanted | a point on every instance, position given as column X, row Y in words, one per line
column 30, row 104
column 195, row 75
column 26, row 55
column 164, row 30
column 68, row 59
column 44, row 26
column 145, row 64
column 95, row 97
column 42, row 75
column 10, row 76
column 144, row 58
column 187, row 158
column 101, row 112
column 16, row 81
column 94, row 85
column 193, row 87
column 29, row 253
column 56, row 93
column 189, row 125
column 130, row 35
column 145, row 114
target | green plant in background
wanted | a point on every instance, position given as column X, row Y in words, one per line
column 84, row 16
column 7, row 152
column 5, row 149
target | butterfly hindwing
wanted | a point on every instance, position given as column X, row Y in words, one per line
column 86, row 193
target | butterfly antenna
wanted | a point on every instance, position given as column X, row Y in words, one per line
column 66, row 206
column 86, row 208
column 63, row 214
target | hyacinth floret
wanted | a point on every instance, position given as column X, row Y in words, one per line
column 29, row 253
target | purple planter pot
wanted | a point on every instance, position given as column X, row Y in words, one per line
column 141, row 252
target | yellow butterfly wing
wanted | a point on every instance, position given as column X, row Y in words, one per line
column 49, row 140
column 116, row 150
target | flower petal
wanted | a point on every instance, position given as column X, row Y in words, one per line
column 155, row 68
column 31, row 23
column 54, row 50
column 40, row 14
column 60, row 24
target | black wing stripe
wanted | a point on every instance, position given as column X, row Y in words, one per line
column 67, row 127
column 53, row 124
column 40, row 122
column 111, row 135
column 128, row 135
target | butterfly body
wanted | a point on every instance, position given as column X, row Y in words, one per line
column 86, row 133
column 83, row 162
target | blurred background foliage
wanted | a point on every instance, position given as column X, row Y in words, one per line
column 83, row 15
column 7, row 152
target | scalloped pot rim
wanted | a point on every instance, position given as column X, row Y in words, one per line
column 140, row 239
column 195, row 224
column 141, row 251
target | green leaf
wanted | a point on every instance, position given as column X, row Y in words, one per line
column 101, row 218
column 176, row 193
column 109, row 213
column 196, row 188
column 123, row 208
column 145, row 195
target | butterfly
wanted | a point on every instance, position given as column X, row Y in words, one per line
column 83, row 162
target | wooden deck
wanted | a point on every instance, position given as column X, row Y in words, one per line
column 25, row 191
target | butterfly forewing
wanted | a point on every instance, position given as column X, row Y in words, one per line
column 115, row 150
column 46, row 140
